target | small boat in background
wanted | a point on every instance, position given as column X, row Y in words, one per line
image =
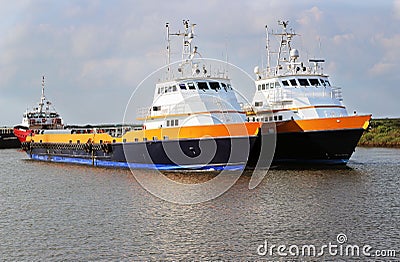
column 42, row 117
column 8, row 139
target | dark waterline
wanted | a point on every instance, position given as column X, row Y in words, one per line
column 68, row 212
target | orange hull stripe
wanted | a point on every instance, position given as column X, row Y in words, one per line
column 324, row 124
column 187, row 132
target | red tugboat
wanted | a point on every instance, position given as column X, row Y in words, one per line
column 42, row 117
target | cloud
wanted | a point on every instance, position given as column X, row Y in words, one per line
column 343, row 38
column 100, row 50
column 381, row 68
column 387, row 64
column 396, row 9
column 310, row 16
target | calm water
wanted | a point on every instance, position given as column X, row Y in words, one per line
column 67, row 212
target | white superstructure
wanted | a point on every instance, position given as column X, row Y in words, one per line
column 192, row 93
column 42, row 116
column 290, row 89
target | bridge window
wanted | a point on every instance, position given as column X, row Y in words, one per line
column 214, row 85
column 285, row 83
column 263, row 87
column 224, row 86
column 258, row 103
column 314, row 82
column 303, row 82
column 191, row 86
column 202, row 85
column 325, row 82
column 174, row 88
column 259, row 87
column 277, row 85
column 293, row 82
column 182, row 86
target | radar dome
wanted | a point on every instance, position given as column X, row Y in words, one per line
column 256, row 70
column 294, row 54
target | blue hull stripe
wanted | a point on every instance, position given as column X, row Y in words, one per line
column 104, row 163
column 311, row 161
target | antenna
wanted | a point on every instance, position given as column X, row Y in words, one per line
column 168, row 50
column 188, row 52
column 268, row 51
column 42, row 98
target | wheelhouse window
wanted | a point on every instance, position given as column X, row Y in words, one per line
column 259, row 87
column 191, row 86
column 182, row 86
column 303, row 82
column 202, row 85
column 314, row 82
column 263, row 86
column 285, row 83
column 174, row 88
column 293, row 82
column 214, row 85
column 258, row 103
column 224, row 86
column 277, row 85
column 156, row 108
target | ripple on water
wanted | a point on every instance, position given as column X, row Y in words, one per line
column 67, row 212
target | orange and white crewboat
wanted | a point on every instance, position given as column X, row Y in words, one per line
column 312, row 123
column 194, row 122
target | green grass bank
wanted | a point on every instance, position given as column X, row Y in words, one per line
column 382, row 132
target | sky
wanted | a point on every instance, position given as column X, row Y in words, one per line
column 95, row 53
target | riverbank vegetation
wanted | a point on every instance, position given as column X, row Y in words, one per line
column 383, row 132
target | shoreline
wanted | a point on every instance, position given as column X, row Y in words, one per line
column 382, row 132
